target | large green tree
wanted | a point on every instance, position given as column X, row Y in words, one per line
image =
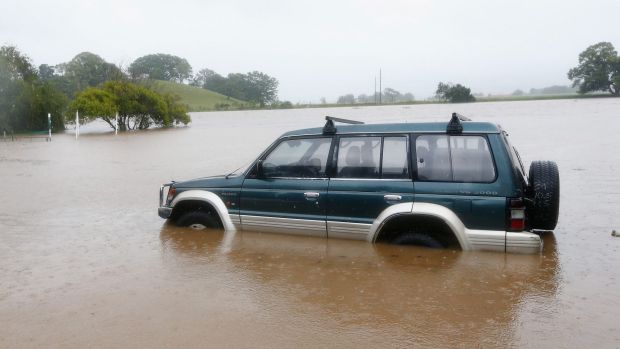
column 161, row 66
column 25, row 100
column 200, row 79
column 598, row 69
column 87, row 70
column 138, row 107
column 454, row 93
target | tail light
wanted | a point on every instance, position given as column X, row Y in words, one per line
column 517, row 214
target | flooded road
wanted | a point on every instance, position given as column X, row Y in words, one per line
column 86, row 261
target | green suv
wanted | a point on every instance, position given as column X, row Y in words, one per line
column 459, row 184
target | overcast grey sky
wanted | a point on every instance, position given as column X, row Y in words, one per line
column 324, row 48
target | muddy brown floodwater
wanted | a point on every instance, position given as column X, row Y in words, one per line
column 86, row 261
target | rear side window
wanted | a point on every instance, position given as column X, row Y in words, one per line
column 394, row 162
column 365, row 157
column 359, row 157
column 454, row 158
column 433, row 157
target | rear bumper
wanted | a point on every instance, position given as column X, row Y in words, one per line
column 502, row 241
column 164, row 212
column 523, row 242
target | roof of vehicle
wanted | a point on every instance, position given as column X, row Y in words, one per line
column 432, row 127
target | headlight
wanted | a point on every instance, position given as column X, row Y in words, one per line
column 166, row 192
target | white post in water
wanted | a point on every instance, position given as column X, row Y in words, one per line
column 116, row 124
column 49, row 127
column 77, row 124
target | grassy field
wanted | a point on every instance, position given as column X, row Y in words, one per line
column 198, row 99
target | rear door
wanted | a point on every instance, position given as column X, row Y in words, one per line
column 459, row 172
column 291, row 195
column 371, row 172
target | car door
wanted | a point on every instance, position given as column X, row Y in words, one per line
column 290, row 194
column 458, row 172
column 370, row 173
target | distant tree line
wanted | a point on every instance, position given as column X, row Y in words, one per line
column 387, row 96
column 255, row 86
column 552, row 90
column 99, row 89
column 88, row 84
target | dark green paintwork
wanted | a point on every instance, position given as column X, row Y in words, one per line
column 478, row 205
column 362, row 200
column 284, row 198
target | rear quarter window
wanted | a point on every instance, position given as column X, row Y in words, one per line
column 454, row 159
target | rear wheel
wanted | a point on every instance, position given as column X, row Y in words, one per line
column 419, row 239
column 198, row 220
column 544, row 194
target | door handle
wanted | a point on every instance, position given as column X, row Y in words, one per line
column 391, row 197
column 311, row 195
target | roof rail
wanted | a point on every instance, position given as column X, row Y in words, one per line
column 454, row 126
column 330, row 128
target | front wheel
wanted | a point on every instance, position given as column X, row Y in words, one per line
column 419, row 239
column 198, row 220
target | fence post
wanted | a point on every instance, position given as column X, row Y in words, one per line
column 49, row 127
column 77, row 124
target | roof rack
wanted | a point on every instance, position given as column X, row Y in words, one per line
column 329, row 127
column 454, row 126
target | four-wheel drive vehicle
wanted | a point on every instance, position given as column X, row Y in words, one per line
column 457, row 184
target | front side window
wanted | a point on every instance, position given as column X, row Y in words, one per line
column 298, row 158
column 454, row 158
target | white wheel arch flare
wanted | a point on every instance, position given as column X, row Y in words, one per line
column 422, row 209
column 210, row 198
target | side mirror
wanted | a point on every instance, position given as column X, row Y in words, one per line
column 259, row 169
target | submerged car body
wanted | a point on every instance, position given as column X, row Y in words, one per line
column 458, row 184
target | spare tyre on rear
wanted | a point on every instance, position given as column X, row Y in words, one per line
column 544, row 195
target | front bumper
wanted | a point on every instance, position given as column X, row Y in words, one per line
column 164, row 212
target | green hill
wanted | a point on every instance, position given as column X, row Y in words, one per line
column 198, row 99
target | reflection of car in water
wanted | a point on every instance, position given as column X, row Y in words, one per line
column 459, row 184
column 433, row 294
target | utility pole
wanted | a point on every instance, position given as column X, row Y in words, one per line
column 375, row 89
column 380, row 89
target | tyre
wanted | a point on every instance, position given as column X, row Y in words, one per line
column 419, row 239
column 198, row 220
column 544, row 195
